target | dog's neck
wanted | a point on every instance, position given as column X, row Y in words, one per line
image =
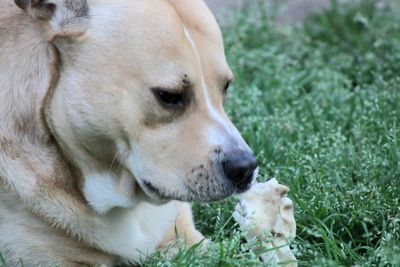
column 31, row 165
column 29, row 153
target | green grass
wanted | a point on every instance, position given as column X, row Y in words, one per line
column 320, row 105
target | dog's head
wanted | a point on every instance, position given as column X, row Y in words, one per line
column 139, row 101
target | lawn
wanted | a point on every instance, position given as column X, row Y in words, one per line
column 320, row 105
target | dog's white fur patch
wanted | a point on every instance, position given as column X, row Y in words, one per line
column 101, row 191
column 221, row 130
column 132, row 233
column 215, row 136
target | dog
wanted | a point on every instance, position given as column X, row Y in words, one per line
column 111, row 123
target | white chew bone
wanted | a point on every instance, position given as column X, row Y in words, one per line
column 266, row 213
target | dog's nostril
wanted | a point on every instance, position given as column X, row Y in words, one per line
column 239, row 168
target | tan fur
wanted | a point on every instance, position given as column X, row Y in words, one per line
column 81, row 135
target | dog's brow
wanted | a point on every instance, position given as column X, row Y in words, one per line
column 180, row 86
column 186, row 83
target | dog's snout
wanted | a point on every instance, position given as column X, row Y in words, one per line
column 239, row 167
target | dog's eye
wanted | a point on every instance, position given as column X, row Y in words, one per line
column 228, row 83
column 169, row 99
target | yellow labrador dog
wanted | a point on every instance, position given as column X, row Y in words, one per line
column 111, row 121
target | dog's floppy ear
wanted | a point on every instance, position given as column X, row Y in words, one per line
column 60, row 17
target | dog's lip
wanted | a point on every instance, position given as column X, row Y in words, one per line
column 158, row 196
column 150, row 187
column 153, row 192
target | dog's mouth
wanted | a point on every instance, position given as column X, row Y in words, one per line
column 154, row 192
column 214, row 192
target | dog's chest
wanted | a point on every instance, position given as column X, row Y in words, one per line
column 136, row 233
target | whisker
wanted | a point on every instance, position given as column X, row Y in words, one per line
column 113, row 161
column 122, row 157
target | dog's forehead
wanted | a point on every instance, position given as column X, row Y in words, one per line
column 205, row 33
column 133, row 18
column 143, row 37
column 163, row 35
column 198, row 19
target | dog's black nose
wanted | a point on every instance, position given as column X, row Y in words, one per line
column 239, row 167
